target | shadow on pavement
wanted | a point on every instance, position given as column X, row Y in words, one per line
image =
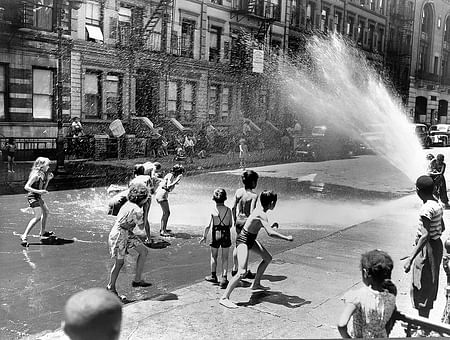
column 160, row 244
column 273, row 278
column 52, row 241
column 289, row 301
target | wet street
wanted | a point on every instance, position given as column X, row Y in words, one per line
column 36, row 282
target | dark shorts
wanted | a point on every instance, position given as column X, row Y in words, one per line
column 10, row 154
column 221, row 238
column 245, row 237
column 35, row 201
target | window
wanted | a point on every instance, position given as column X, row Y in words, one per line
column 113, row 96
column 187, row 38
column 124, row 25
column 43, row 15
column 214, row 43
column 188, row 100
column 2, row 91
column 92, row 95
column 213, row 101
column 218, row 2
column 350, row 26
column 225, row 102
column 93, row 23
column 42, row 94
column 172, row 98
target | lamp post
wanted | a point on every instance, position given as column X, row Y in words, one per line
column 60, row 155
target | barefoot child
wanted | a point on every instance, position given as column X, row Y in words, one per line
column 121, row 237
column 245, row 200
column 166, row 185
column 373, row 304
column 247, row 241
column 10, row 148
column 37, row 186
column 220, row 223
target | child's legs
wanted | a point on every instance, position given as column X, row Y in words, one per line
column 115, row 270
column 140, row 262
column 235, row 260
column 214, row 254
column 10, row 162
column 146, row 209
column 225, row 252
column 36, row 218
column 166, row 213
column 44, row 216
column 242, row 256
column 443, row 191
column 266, row 259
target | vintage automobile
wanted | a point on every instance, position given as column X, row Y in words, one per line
column 325, row 142
column 421, row 131
column 440, row 134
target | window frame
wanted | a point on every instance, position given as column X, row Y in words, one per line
column 38, row 7
column 99, row 95
column 52, row 95
column 188, row 115
column 119, row 98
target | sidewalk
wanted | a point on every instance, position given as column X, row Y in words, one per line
column 304, row 299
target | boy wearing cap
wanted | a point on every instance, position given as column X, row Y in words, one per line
column 426, row 256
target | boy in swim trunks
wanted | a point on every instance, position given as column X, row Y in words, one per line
column 220, row 223
column 244, row 203
column 246, row 241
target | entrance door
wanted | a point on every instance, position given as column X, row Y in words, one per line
column 420, row 109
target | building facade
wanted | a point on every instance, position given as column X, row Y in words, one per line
column 185, row 59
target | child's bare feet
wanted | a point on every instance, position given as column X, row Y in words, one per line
column 227, row 303
column 259, row 287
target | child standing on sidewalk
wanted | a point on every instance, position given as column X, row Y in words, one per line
column 247, row 241
column 220, row 223
column 37, row 186
column 245, row 200
column 243, row 152
column 121, row 237
column 372, row 305
column 426, row 256
column 10, row 149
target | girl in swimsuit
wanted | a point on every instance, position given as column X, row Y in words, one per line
column 247, row 241
column 220, row 223
column 37, row 186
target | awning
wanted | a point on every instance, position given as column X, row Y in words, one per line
column 252, row 125
column 94, row 32
column 179, row 126
column 273, row 127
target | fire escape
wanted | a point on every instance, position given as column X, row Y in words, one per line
column 161, row 12
column 399, row 47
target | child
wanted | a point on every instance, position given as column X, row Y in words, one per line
column 372, row 305
column 121, row 237
column 244, row 203
column 92, row 314
column 243, row 151
column 221, row 221
column 166, row 185
column 10, row 149
column 427, row 253
column 439, row 179
column 37, row 186
column 247, row 241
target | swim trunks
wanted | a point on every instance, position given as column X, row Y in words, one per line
column 245, row 237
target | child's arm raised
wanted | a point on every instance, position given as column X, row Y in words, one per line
column 49, row 178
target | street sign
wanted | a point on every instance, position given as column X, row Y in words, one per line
column 258, row 61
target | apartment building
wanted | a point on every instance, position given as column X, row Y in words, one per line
column 418, row 55
column 185, row 59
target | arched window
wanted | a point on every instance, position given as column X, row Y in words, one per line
column 426, row 34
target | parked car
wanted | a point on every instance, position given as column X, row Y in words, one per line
column 422, row 133
column 325, row 142
column 440, row 134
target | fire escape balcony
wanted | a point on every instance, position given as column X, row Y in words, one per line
column 259, row 9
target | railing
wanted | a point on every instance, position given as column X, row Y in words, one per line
column 31, row 148
column 258, row 8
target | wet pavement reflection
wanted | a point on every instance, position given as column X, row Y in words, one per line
column 36, row 282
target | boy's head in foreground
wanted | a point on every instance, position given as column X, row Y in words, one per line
column 94, row 313
column 268, row 199
column 424, row 186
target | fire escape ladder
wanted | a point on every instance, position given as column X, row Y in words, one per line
column 251, row 6
column 155, row 17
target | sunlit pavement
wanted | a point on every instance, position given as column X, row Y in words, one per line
column 331, row 228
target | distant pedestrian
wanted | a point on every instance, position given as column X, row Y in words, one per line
column 166, row 185
column 10, row 149
column 372, row 305
column 243, row 153
column 426, row 256
column 246, row 241
column 121, row 238
column 439, row 180
column 93, row 313
column 245, row 200
column 37, row 186
column 220, row 225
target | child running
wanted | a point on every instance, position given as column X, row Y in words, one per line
column 121, row 237
column 166, row 185
column 427, row 254
column 37, row 186
column 247, row 241
column 245, row 200
column 372, row 305
column 220, row 223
